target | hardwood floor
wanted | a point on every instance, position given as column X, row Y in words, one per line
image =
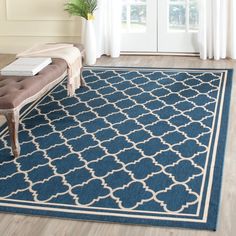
column 12, row 224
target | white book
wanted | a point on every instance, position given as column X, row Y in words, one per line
column 26, row 66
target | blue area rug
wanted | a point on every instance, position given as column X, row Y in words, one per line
column 137, row 146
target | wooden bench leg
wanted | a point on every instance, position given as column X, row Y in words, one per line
column 13, row 126
column 82, row 82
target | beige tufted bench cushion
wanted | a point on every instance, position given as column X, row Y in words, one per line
column 17, row 91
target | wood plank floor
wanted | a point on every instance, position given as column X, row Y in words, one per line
column 19, row 225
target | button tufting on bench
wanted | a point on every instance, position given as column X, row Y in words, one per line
column 29, row 85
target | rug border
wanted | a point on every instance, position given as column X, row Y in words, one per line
column 158, row 68
column 217, row 180
column 215, row 200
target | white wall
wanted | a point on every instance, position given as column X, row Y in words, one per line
column 232, row 31
column 24, row 23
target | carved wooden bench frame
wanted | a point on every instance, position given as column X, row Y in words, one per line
column 13, row 115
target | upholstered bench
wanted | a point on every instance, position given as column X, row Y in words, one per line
column 17, row 91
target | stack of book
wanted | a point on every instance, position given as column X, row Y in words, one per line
column 26, row 66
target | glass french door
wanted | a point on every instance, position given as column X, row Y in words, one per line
column 160, row 26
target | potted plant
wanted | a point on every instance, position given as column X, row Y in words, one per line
column 85, row 9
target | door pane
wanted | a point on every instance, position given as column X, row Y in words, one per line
column 134, row 13
column 183, row 15
column 124, row 18
column 194, row 15
column 177, row 17
column 138, row 18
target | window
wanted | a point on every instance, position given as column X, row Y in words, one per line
column 134, row 15
column 183, row 15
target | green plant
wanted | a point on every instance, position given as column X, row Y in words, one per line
column 83, row 8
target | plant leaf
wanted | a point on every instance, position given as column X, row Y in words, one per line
column 81, row 7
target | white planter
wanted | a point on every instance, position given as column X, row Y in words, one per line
column 90, row 43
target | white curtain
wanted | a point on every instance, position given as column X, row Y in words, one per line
column 108, row 27
column 217, row 35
